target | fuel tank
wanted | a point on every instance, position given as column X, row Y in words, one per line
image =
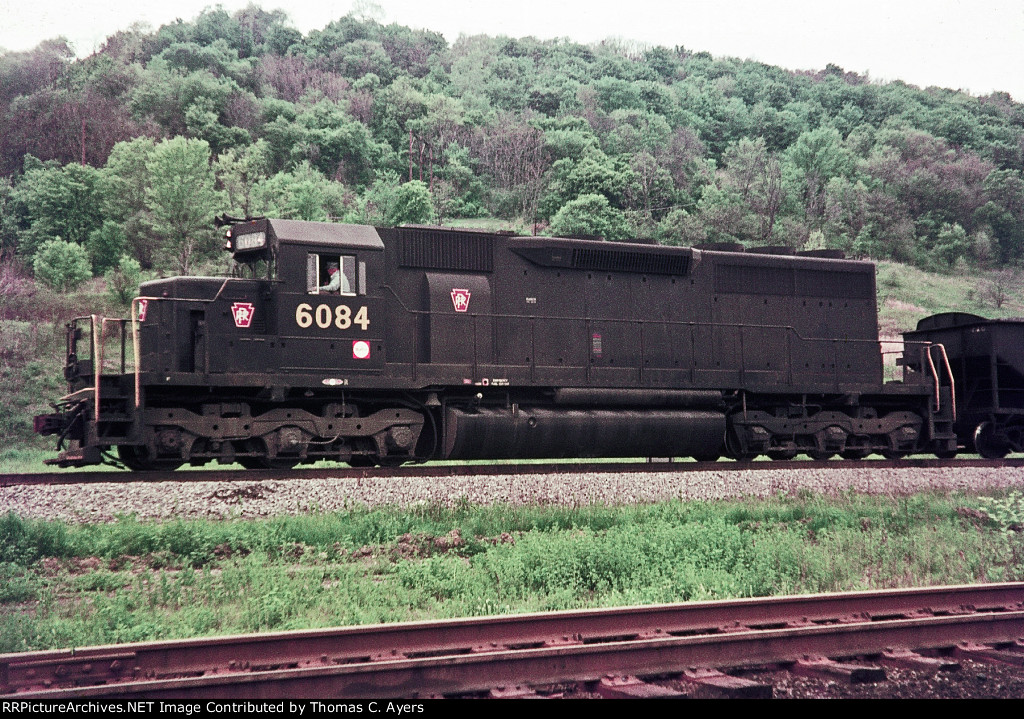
column 543, row 432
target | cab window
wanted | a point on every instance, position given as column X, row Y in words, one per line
column 331, row 274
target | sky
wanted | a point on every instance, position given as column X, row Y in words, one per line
column 971, row 45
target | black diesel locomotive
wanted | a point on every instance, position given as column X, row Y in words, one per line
column 452, row 344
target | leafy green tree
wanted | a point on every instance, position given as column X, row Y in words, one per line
column 58, row 201
column 412, row 205
column 590, row 215
column 123, row 183
column 202, row 121
column 1003, row 211
column 756, row 176
column 727, row 218
column 329, row 139
column 60, row 265
column 680, row 227
column 106, row 246
column 951, row 244
column 303, row 194
column 239, row 171
column 166, row 93
column 377, row 203
column 123, row 280
column 593, row 173
column 182, row 202
column 810, row 163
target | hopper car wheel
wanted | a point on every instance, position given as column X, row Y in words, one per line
column 820, row 455
column 782, row 455
column 946, row 455
column 137, row 459
column 988, row 444
column 894, row 454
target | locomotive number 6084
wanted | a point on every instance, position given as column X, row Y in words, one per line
column 324, row 316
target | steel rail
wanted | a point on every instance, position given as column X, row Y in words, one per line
column 474, row 470
column 466, row 655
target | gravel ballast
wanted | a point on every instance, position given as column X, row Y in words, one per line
column 247, row 499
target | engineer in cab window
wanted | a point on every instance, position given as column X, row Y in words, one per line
column 339, row 278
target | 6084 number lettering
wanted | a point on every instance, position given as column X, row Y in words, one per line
column 324, row 316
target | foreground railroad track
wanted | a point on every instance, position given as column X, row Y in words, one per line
column 463, row 470
column 609, row 649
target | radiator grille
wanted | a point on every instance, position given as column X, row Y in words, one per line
column 446, row 250
column 767, row 280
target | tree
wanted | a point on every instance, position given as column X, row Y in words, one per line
column 182, row 201
column 757, row 176
column 61, row 265
column 123, row 184
column 58, row 201
column 514, row 154
column 123, row 279
column 593, row 173
column 8, row 217
column 590, row 215
column 303, row 194
column 951, row 244
column 106, row 245
column 999, row 286
column 815, row 158
column 412, row 205
column 239, row 172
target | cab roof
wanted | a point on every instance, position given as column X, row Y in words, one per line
column 326, row 233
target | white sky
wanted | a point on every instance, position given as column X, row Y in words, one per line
column 974, row 45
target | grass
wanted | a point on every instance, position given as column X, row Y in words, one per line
column 907, row 294
column 72, row 585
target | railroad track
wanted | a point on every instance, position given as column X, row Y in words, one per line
column 608, row 650
column 470, row 470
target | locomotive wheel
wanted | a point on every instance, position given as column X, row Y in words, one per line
column 734, row 449
column 361, row 461
column 268, row 463
column 137, row 459
column 855, row 453
column 264, row 462
column 708, row 457
column 988, row 444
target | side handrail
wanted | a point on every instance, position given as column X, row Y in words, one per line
column 926, row 351
column 949, row 373
column 136, row 350
column 97, row 352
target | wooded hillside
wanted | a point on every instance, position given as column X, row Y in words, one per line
column 124, row 157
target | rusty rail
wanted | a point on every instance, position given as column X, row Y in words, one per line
column 470, row 655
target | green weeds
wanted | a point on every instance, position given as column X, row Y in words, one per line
column 71, row 585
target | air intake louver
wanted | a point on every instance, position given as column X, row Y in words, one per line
column 588, row 258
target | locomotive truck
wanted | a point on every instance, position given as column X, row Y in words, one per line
column 459, row 344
